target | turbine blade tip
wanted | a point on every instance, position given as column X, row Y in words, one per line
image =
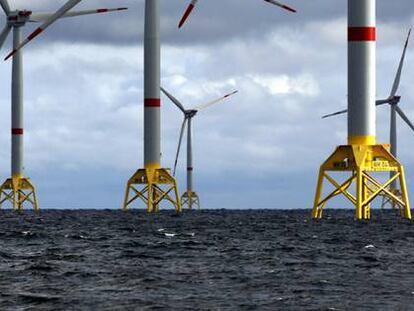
column 186, row 15
column 109, row 10
column 181, row 24
column 10, row 55
column 289, row 9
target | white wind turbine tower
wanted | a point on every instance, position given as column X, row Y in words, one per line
column 18, row 189
column 193, row 3
column 190, row 197
column 393, row 100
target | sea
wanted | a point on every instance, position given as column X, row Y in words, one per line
column 205, row 260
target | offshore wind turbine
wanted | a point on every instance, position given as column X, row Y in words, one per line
column 193, row 3
column 19, row 189
column 393, row 100
column 362, row 158
column 152, row 184
column 190, row 197
column 187, row 13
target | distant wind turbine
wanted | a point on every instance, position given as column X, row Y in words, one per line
column 18, row 189
column 190, row 197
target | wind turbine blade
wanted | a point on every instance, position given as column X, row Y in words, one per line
column 215, row 101
column 281, row 5
column 4, row 34
column 40, row 17
column 179, row 144
column 383, row 101
column 400, row 67
column 174, row 100
column 5, row 5
column 377, row 103
column 404, row 117
column 187, row 13
column 334, row 114
column 59, row 13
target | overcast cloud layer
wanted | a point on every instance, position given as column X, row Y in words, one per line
column 262, row 148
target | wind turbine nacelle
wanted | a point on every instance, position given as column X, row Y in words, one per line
column 25, row 13
column 19, row 18
column 191, row 113
column 393, row 100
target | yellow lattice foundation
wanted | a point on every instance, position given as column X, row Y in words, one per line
column 361, row 161
column 152, row 186
column 190, row 199
column 18, row 191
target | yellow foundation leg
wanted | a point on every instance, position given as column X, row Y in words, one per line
column 317, row 208
column 152, row 186
column 150, row 199
column 18, row 191
column 406, row 211
column 190, row 199
column 362, row 162
column 359, row 194
column 366, row 209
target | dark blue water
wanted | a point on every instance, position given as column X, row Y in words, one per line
column 206, row 260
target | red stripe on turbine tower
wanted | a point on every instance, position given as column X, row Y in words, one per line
column 17, row 131
column 362, row 34
column 152, row 102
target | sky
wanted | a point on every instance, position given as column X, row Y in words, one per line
column 262, row 148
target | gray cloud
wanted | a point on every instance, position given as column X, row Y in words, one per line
column 212, row 21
